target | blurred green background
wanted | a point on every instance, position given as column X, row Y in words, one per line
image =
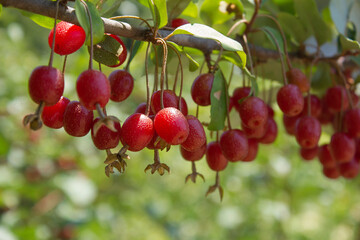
column 53, row 186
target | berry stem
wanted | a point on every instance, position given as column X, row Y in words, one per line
column 53, row 39
column 130, row 53
column 100, row 111
column 156, row 72
column 282, row 36
column 280, row 55
column 227, row 104
column 148, row 100
column 233, row 27
column 253, row 17
column 163, row 71
column 91, row 35
column 176, row 78
column 181, row 75
column 64, row 64
column 248, row 53
column 343, row 78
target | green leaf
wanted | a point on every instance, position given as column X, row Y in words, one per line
column 176, row 7
column 339, row 11
column 321, row 78
column 0, row 9
column 237, row 58
column 309, row 15
column 108, row 51
column 274, row 34
column 193, row 65
column 40, row 20
column 97, row 23
column 293, row 27
column 218, row 102
column 159, row 12
column 108, row 8
column 215, row 11
column 253, row 82
column 348, row 44
column 203, row 31
column 191, row 10
column 135, row 49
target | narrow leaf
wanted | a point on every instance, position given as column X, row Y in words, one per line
column 40, row 20
column 348, row 44
column 97, row 23
column 135, row 49
column 203, row 31
column 237, row 58
column 176, row 7
column 218, row 103
column 293, row 27
column 310, row 16
column 108, row 51
column 159, row 12
column 274, row 34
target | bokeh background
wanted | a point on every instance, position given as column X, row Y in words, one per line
column 53, row 186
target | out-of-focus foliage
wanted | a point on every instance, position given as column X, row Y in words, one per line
column 53, row 186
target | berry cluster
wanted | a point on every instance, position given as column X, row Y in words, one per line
column 163, row 121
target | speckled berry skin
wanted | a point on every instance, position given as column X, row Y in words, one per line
column 195, row 155
column 196, row 137
column 307, row 131
column 106, row 138
column 77, row 119
column 253, row 112
column 52, row 116
column 297, row 77
column 121, row 84
column 137, row 131
column 171, row 125
column 290, row 100
column 234, row 145
column 214, row 157
column 169, row 99
column 201, row 89
column 93, row 87
column 46, row 84
column 69, row 38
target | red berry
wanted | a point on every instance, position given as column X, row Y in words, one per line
column 350, row 169
column 332, row 173
column 253, row 112
column 290, row 123
column 234, row 145
column 201, row 89
column 123, row 54
column 77, row 119
column 196, row 137
column 307, row 132
column 290, row 100
column 325, row 157
column 239, row 94
column 336, row 99
column 93, row 88
column 271, row 131
column 68, row 39
column 342, row 147
column 177, row 22
column 169, row 99
column 52, row 116
column 298, row 78
column 106, row 138
column 326, row 116
column 315, row 106
column 137, row 131
column 271, row 112
column 256, row 133
column 352, row 122
column 121, row 84
column 214, row 157
column 253, row 150
column 141, row 108
column 171, row 125
column 195, row 155
column 46, row 84
column 309, row 153
column 184, row 107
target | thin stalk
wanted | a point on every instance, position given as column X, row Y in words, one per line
column 53, row 39
column 163, row 71
column 235, row 25
column 176, row 78
column 253, row 17
column 147, row 110
column 249, row 53
column 91, row 35
column 64, row 64
column 343, row 78
column 181, row 74
column 129, row 59
column 280, row 55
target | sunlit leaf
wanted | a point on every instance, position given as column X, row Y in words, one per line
column 176, row 7
column 348, row 44
column 159, row 12
column 40, row 20
column 310, row 16
column 218, row 102
column 237, row 58
column 203, row 31
column 97, row 23
column 191, row 10
column 215, row 11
